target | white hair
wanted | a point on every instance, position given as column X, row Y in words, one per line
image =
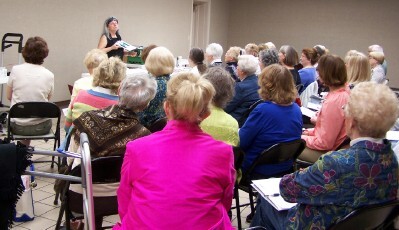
column 376, row 48
column 215, row 50
column 137, row 91
column 248, row 64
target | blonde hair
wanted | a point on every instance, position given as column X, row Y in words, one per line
column 374, row 107
column 357, row 67
column 189, row 96
column 378, row 56
column 234, row 52
column 252, row 49
column 277, row 84
column 160, row 61
column 93, row 58
column 109, row 74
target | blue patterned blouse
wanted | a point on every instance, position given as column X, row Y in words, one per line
column 154, row 111
column 338, row 183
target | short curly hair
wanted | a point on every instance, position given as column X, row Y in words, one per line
column 35, row 50
column 109, row 74
column 223, row 84
column 277, row 84
column 374, row 107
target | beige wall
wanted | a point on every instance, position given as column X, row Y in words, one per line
column 340, row 25
column 219, row 22
column 73, row 27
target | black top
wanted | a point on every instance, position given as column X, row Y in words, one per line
column 111, row 42
column 295, row 75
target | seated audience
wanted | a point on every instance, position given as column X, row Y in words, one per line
column 231, row 59
column 196, row 61
column 213, row 55
column 276, row 120
column 357, row 67
column 377, row 71
column 106, row 80
column 246, row 91
column 221, row 125
column 268, row 57
column 329, row 131
column 378, row 48
column 110, row 129
column 307, row 74
column 288, row 57
column 92, row 59
column 31, row 81
column 179, row 171
column 342, row 181
column 160, row 63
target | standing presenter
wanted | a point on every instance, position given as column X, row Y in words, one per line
column 109, row 38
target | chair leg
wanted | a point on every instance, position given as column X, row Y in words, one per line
column 237, row 198
column 251, row 200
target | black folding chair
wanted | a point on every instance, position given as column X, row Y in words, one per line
column 378, row 216
column 36, row 109
column 275, row 154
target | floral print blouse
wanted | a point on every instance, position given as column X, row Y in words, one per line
column 338, row 183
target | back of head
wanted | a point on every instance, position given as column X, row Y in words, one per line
column 270, row 45
column 248, row 64
column 109, row 74
column 93, row 58
column 223, row 84
column 234, row 52
column 378, row 56
column 252, row 49
column 374, row 107
column 215, row 50
column 358, row 67
column 332, row 70
column 35, row 50
column 268, row 57
column 146, row 51
column 311, row 54
column 291, row 56
column 137, row 91
column 376, row 48
column 277, row 84
column 197, row 56
column 321, row 50
column 189, row 96
column 160, row 61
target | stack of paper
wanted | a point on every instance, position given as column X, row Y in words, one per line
column 269, row 189
column 126, row 45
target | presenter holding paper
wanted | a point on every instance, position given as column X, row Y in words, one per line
column 110, row 37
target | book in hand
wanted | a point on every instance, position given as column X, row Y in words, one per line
column 126, row 45
column 269, row 189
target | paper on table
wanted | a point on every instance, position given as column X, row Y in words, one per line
column 307, row 112
column 393, row 135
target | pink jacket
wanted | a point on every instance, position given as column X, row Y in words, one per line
column 179, row 178
column 329, row 131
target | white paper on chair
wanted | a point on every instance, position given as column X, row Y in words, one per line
column 269, row 189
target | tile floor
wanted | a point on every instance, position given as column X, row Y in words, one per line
column 46, row 213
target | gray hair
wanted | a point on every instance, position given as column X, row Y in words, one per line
column 136, row 92
column 248, row 64
column 215, row 50
column 268, row 57
column 376, row 48
column 106, row 22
